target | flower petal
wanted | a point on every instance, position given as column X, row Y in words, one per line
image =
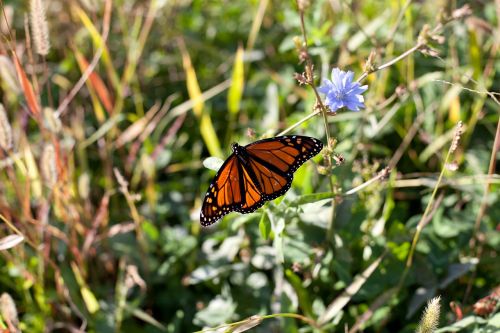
column 325, row 87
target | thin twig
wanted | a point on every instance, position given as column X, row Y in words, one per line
column 492, row 94
column 381, row 175
column 462, row 181
column 392, row 62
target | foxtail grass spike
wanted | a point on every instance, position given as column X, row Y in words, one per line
column 430, row 318
column 39, row 27
column 456, row 137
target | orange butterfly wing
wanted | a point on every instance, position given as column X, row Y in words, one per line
column 274, row 161
column 256, row 173
column 253, row 198
column 224, row 194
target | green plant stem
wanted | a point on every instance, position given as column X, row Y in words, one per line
column 300, row 122
column 421, row 223
column 425, row 219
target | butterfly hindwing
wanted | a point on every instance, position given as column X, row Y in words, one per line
column 253, row 198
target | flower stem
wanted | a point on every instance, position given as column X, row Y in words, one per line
column 323, row 110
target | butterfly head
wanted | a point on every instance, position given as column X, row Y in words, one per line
column 235, row 147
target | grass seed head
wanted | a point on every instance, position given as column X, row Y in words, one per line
column 456, row 137
column 430, row 318
column 39, row 27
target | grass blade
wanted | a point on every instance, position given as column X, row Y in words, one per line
column 206, row 127
column 28, row 91
column 96, row 83
column 98, row 43
column 236, row 90
column 338, row 304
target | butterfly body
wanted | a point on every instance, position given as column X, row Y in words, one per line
column 256, row 173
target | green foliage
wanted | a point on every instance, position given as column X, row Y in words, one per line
column 110, row 223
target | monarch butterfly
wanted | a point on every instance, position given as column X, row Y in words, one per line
column 256, row 173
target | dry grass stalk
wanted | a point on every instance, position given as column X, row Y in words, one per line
column 39, row 27
column 5, row 130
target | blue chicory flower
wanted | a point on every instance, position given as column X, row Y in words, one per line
column 341, row 91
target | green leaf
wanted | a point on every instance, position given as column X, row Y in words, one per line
column 264, row 226
column 207, row 129
column 237, row 86
column 400, row 251
column 303, row 295
column 470, row 321
column 278, row 225
column 207, row 272
column 475, row 54
column 218, row 311
column 495, row 322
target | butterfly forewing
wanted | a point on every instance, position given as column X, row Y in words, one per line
column 286, row 153
column 224, row 194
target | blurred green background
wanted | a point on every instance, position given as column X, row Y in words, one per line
column 107, row 191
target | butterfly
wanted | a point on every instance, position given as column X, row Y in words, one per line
column 256, row 173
